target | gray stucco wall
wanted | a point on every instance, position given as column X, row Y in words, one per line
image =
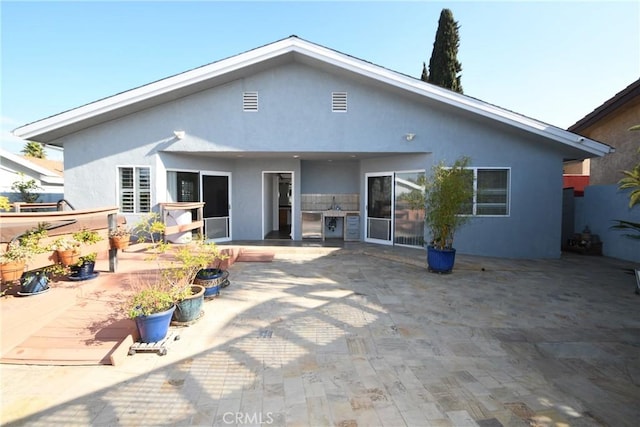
column 600, row 206
column 295, row 117
column 335, row 177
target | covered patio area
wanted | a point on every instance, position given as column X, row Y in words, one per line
column 359, row 334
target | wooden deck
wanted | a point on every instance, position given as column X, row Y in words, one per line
column 81, row 323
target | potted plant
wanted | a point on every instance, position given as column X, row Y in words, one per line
column 180, row 276
column 19, row 251
column 34, row 283
column 83, row 269
column 37, row 281
column 67, row 250
column 211, row 276
column 120, row 238
column 447, row 192
column 151, row 307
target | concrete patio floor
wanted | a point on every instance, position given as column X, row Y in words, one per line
column 363, row 335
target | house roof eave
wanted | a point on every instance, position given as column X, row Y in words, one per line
column 51, row 128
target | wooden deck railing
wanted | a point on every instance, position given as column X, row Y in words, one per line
column 61, row 224
column 197, row 224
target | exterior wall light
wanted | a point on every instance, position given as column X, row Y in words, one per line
column 410, row 136
column 179, row 134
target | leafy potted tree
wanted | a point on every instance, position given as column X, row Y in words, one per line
column 180, row 276
column 447, row 192
column 169, row 292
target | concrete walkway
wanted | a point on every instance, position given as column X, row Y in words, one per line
column 363, row 335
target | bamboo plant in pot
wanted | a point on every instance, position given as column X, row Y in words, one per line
column 448, row 192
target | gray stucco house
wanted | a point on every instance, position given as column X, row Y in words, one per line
column 273, row 134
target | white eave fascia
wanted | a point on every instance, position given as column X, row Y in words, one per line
column 151, row 90
column 51, row 179
column 451, row 98
column 458, row 100
column 323, row 54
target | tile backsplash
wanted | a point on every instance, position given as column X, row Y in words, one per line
column 322, row 202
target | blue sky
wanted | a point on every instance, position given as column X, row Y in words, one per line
column 554, row 61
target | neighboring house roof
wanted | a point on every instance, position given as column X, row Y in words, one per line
column 619, row 100
column 56, row 167
column 47, row 171
column 48, row 130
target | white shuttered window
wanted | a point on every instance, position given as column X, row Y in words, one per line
column 135, row 189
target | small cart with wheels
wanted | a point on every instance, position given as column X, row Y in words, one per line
column 159, row 347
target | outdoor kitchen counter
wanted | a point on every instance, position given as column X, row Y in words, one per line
column 350, row 231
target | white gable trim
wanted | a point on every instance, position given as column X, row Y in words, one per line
column 296, row 45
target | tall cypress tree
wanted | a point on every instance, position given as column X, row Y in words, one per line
column 444, row 68
column 425, row 76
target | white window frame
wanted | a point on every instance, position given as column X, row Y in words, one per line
column 136, row 191
column 475, row 191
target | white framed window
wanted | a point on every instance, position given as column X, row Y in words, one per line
column 250, row 101
column 339, row 102
column 134, row 185
column 491, row 192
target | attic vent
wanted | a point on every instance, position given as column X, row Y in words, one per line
column 339, row 102
column 250, row 101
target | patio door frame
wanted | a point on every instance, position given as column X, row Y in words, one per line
column 393, row 175
column 366, row 208
column 229, row 233
column 268, row 174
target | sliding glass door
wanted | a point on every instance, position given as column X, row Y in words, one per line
column 395, row 208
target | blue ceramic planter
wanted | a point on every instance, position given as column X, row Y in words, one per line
column 154, row 327
column 85, row 271
column 33, row 283
column 440, row 260
column 189, row 308
column 212, row 279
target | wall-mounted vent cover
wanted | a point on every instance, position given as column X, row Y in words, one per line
column 339, row 102
column 250, row 101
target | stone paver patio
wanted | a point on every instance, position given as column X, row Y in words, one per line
column 363, row 335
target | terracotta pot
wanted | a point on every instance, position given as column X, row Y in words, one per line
column 12, row 271
column 119, row 242
column 68, row 257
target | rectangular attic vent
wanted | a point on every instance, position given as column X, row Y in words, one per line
column 250, row 101
column 339, row 102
